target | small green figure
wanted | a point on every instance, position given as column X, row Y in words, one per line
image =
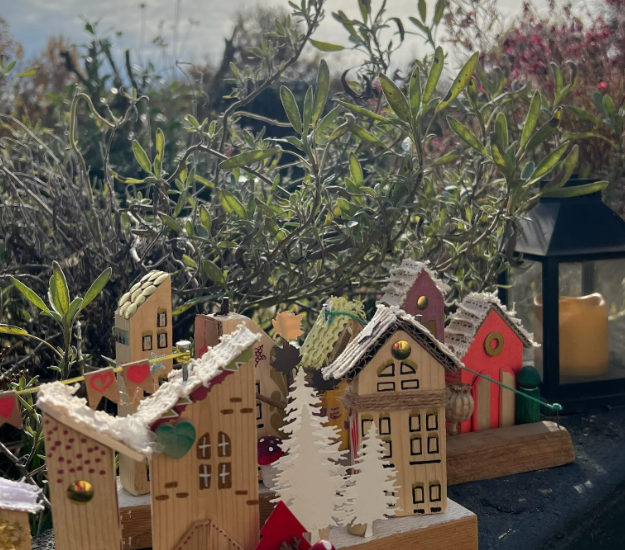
column 528, row 411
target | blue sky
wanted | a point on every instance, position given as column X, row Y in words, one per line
column 32, row 21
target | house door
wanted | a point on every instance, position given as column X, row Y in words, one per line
column 507, row 398
column 206, row 535
column 481, row 412
column 431, row 326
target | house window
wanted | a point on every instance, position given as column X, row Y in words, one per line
column 407, row 369
column 435, row 492
column 432, row 444
column 161, row 319
column 418, row 494
column 147, row 342
column 386, row 370
column 422, row 302
column 388, row 448
column 410, row 384
column 366, row 424
column 204, row 447
column 259, row 408
column 225, row 475
column 401, row 350
column 161, row 341
column 205, row 476
column 121, row 336
column 415, row 422
column 385, row 425
column 386, row 386
column 224, row 448
column 431, row 421
column 416, row 446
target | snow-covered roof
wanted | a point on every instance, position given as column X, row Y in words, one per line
column 385, row 322
column 326, row 331
column 130, row 302
column 133, row 431
column 468, row 318
column 403, row 278
column 18, row 496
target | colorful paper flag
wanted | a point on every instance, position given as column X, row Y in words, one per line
column 101, row 383
column 138, row 376
column 10, row 412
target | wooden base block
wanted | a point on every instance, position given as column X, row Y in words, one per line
column 136, row 517
column 456, row 529
column 505, row 451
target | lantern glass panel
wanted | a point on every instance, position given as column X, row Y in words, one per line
column 592, row 321
column 526, row 286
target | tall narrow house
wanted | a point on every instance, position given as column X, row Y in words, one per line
column 269, row 382
column 142, row 331
column 396, row 370
column 416, row 289
column 17, row 500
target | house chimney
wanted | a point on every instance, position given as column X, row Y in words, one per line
column 225, row 307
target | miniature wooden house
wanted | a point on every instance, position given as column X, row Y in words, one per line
column 334, row 328
column 199, row 430
column 397, row 372
column 489, row 340
column 269, row 382
column 143, row 330
column 416, row 289
column 17, row 500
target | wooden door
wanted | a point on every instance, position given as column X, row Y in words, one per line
column 481, row 396
column 507, row 398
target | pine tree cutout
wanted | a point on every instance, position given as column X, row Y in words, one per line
column 310, row 480
column 370, row 494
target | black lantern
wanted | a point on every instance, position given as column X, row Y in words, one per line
column 569, row 288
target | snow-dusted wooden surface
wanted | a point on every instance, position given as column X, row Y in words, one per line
column 456, row 529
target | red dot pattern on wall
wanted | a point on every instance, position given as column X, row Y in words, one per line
column 69, row 449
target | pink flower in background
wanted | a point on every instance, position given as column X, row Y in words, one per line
column 602, row 85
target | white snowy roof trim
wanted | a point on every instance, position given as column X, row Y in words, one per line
column 134, row 430
column 18, row 496
column 128, row 430
column 403, row 278
column 468, row 318
column 201, row 372
column 384, row 323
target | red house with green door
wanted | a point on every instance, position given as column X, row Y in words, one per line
column 489, row 340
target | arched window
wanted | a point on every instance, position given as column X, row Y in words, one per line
column 224, row 447
column 204, row 447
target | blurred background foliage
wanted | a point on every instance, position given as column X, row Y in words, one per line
column 292, row 170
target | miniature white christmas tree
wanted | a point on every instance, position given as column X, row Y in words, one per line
column 370, row 494
column 310, row 480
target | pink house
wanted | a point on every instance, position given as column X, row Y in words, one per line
column 416, row 289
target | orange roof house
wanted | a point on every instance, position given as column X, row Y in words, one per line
column 199, row 431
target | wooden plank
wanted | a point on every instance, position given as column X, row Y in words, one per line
column 506, row 451
column 135, row 514
column 14, row 530
column 456, row 529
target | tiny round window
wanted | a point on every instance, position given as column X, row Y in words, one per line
column 80, row 492
column 422, row 302
column 493, row 344
column 401, row 350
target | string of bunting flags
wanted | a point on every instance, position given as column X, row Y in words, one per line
column 99, row 383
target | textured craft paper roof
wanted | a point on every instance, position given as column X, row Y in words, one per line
column 134, row 430
column 387, row 320
column 468, row 318
column 325, row 333
column 19, row 496
column 403, row 278
column 138, row 294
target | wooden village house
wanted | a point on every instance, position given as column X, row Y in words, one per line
column 143, row 330
column 17, row 500
column 199, row 430
column 396, row 369
column 269, row 382
column 489, row 340
column 416, row 289
column 335, row 327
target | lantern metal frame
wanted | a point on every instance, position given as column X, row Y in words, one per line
column 567, row 230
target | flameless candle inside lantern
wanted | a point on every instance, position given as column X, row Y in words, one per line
column 583, row 326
